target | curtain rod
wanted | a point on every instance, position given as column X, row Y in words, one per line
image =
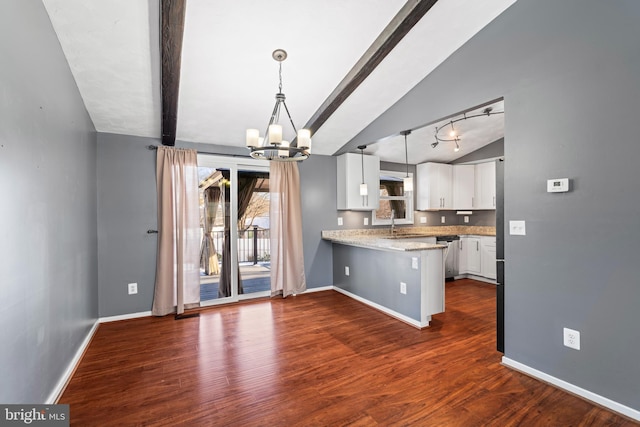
column 155, row 147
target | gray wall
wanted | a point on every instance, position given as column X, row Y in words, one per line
column 569, row 73
column 48, row 260
column 127, row 208
column 489, row 151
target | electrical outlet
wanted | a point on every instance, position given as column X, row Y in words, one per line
column 346, row 270
column 466, row 219
column 442, row 219
column 414, row 262
column 403, row 288
column 517, row 228
column 133, row 288
column 423, row 220
column 339, row 220
column 366, row 221
column 571, row 338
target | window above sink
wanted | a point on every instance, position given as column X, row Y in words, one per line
column 393, row 198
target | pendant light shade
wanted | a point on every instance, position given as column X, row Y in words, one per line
column 407, row 181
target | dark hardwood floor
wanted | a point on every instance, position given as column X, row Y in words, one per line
column 320, row 359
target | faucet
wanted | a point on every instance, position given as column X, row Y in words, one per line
column 393, row 222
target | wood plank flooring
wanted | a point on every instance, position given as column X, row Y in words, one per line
column 320, row 359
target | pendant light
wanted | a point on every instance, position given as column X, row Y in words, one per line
column 407, row 182
column 364, row 190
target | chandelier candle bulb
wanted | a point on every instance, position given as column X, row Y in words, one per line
column 284, row 149
column 253, row 138
column 304, row 139
column 275, row 134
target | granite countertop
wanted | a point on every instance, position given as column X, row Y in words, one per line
column 380, row 238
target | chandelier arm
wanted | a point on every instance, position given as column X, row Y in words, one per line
column 274, row 117
column 289, row 115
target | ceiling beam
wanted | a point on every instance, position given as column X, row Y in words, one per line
column 395, row 31
column 172, row 29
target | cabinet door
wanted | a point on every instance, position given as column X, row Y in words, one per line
column 462, row 256
column 463, row 186
column 350, row 177
column 488, row 257
column 433, row 186
column 473, row 256
column 485, row 191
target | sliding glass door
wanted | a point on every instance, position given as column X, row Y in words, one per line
column 234, row 218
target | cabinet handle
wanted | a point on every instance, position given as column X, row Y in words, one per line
column 477, row 246
column 473, row 202
column 494, row 201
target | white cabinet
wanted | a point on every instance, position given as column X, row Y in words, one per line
column 488, row 257
column 485, row 188
column 434, row 189
column 463, row 186
column 469, row 259
column 350, row 178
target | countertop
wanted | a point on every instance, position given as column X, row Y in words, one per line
column 381, row 238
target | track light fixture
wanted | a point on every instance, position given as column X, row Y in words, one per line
column 453, row 134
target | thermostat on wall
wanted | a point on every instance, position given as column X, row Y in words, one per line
column 559, row 185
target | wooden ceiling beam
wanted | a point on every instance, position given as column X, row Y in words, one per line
column 172, row 29
column 395, row 31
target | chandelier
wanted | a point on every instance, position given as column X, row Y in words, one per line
column 272, row 146
column 453, row 133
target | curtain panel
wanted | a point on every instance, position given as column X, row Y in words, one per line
column 287, row 259
column 177, row 267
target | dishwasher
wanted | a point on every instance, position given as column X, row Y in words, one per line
column 451, row 255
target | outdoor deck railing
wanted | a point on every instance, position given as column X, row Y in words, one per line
column 253, row 244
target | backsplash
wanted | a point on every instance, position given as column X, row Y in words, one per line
column 355, row 219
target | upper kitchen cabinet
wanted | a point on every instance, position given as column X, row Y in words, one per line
column 485, row 191
column 463, row 186
column 350, row 175
column 434, row 189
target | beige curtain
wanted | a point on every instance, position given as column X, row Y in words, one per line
column 285, row 217
column 208, row 253
column 177, row 265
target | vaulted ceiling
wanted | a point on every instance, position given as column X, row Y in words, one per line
column 228, row 79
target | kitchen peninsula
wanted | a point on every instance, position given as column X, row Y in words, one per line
column 401, row 274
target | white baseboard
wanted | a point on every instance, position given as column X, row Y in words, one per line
column 320, row 289
column 124, row 317
column 381, row 308
column 586, row 394
column 66, row 376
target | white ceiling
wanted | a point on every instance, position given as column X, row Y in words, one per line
column 473, row 133
column 228, row 78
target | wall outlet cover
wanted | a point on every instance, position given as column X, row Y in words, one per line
column 346, row 270
column 366, row 221
column 339, row 220
column 403, row 288
column 132, row 288
column 571, row 338
column 443, row 219
column 466, row 219
column 423, row 220
column 517, row 228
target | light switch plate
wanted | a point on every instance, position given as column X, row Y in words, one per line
column 414, row 262
column 443, row 219
column 346, row 270
column 517, row 228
